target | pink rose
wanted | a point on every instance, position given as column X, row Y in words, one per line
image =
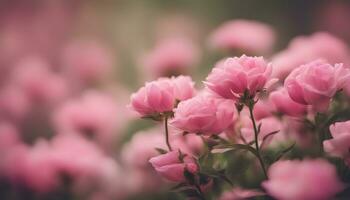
column 203, row 114
column 38, row 82
column 340, row 143
column 304, row 49
column 284, row 104
column 232, row 77
column 93, row 115
column 171, row 56
column 303, row 180
column 161, row 95
column 268, row 125
column 244, row 35
column 240, row 194
column 171, row 167
column 86, row 61
column 316, row 83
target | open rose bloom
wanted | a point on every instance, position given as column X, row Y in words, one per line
column 174, row 100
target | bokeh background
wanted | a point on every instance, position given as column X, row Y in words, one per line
column 68, row 67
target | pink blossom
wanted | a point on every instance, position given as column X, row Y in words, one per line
column 171, row 56
column 33, row 167
column 284, row 104
column 90, row 170
column 340, row 143
column 142, row 147
column 204, row 115
column 14, row 103
column 34, row 77
column 316, row 83
column 244, row 35
column 268, row 125
column 232, row 77
column 304, row 180
column 161, row 95
column 94, row 115
column 87, row 61
column 172, row 167
column 304, row 49
column 263, row 109
column 240, row 194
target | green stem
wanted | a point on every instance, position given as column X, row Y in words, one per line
column 167, row 133
column 201, row 195
column 251, row 107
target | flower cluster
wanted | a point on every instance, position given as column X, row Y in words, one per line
column 243, row 108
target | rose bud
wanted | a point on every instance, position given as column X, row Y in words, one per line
column 173, row 165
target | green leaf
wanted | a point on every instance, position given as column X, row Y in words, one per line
column 264, row 140
column 283, row 152
column 237, row 147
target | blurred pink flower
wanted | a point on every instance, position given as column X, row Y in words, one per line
column 304, row 49
column 172, row 167
column 9, row 139
column 304, row 180
column 14, row 103
column 232, row 77
column 161, row 95
column 172, row 56
column 268, row 125
column 35, row 78
column 315, row 83
column 33, row 167
column 263, row 109
column 142, row 147
column 285, row 105
column 94, row 115
column 245, row 36
column 240, row 194
column 204, row 115
column 87, row 61
column 340, row 143
column 82, row 161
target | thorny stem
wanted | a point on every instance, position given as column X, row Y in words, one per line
column 251, row 107
column 167, row 133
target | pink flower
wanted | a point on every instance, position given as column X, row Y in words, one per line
column 93, row 115
column 244, row 35
column 240, row 194
column 41, row 85
column 171, row 56
column 204, row 115
column 142, row 147
column 304, row 49
column 268, row 125
column 172, row 167
column 82, row 161
column 232, row 77
column 263, row 109
column 87, row 61
column 32, row 167
column 340, row 143
column 316, row 83
column 14, row 103
column 284, row 104
column 304, row 180
column 161, row 95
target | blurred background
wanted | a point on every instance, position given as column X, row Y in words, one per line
column 68, row 68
